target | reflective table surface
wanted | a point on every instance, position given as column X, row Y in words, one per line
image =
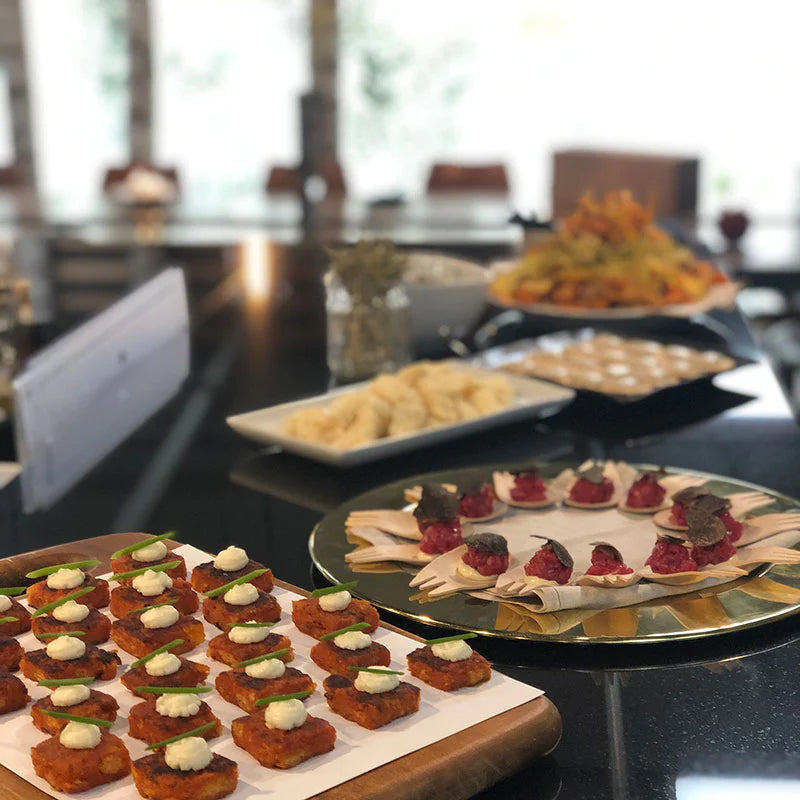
column 657, row 721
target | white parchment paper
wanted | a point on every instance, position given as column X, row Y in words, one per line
column 357, row 750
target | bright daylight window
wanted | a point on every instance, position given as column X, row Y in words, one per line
column 227, row 79
column 78, row 65
column 513, row 81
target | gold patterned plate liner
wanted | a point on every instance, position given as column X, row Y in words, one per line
column 769, row 593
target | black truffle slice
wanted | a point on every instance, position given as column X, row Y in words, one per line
column 711, row 503
column 488, row 542
column 651, row 475
column 690, row 494
column 529, row 470
column 704, row 529
column 436, row 503
column 562, row 554
column 593, row 474
column 610, row 549
column 471, row 486
column 669, row 538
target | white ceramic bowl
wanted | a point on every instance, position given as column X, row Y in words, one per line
column 445, row 293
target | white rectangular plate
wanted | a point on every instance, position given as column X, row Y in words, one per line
column 357, row 750
column 532, row 397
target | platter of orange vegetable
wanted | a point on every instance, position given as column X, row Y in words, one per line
column 609, row 259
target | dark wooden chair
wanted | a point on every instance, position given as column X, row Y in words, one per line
column 10, row 177
column 468, row 178
column 668, row 182
column 287, row 180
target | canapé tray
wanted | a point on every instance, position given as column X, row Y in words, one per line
column 459, row 766
column 766, row 592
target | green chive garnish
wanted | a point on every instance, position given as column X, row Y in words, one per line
column 342, row 587
column 251, row 624
column 10, row 591
column 102, row 723
column 172, row 689
column 279, row 698
column 456, row 638
column 44, row 571
column 64, row 633
column 274, row 654
column 356, row 626
column 66, row 681
column 121, row 576
column 3, row 620
column 194, row 732
column 56, row 603
column 244, row 579
column 157, row 652
column 144, row 543
column 155, row 605
column 375, row 671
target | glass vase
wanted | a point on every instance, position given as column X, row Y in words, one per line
column 366, row 336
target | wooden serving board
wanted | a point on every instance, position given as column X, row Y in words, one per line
column 456, row 767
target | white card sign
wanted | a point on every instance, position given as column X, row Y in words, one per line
column 79, row 398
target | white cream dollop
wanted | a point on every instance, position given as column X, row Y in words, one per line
column 338, row 601
column 458, row 650
column 375, row 683
column 161, row 617
column 353, row 640
column 151, row 583
column 80, row 736
column 71, row 612
column 241, row 635
column 266, row 670
column 285, row 714
column 65, row 578
column 69, row 695
column 468, row 573
column 231, row 559
column 5, row 602
column 191, row 753
column 162, row 664
column 241, row 595
column 151, row 552
column 534, row 580
column 66, row 648
column 178, row 705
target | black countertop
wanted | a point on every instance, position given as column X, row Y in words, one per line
column 648, row 721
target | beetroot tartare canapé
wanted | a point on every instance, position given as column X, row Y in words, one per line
column 476, row 500
column 646, row 491
column 487, row 555
column 607, row 560
column 592, row 487
column 438, row 520
column 551, row 562
column 528, row 486
column 696, row 496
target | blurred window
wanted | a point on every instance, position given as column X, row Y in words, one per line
column 77, row 57
column 226, row 80
column 469, row 81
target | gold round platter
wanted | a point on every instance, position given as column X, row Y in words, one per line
column 769, row 593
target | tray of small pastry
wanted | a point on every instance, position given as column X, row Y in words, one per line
column 625, row 369
column 188, row 675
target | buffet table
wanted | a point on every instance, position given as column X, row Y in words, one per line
column 677, row 719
